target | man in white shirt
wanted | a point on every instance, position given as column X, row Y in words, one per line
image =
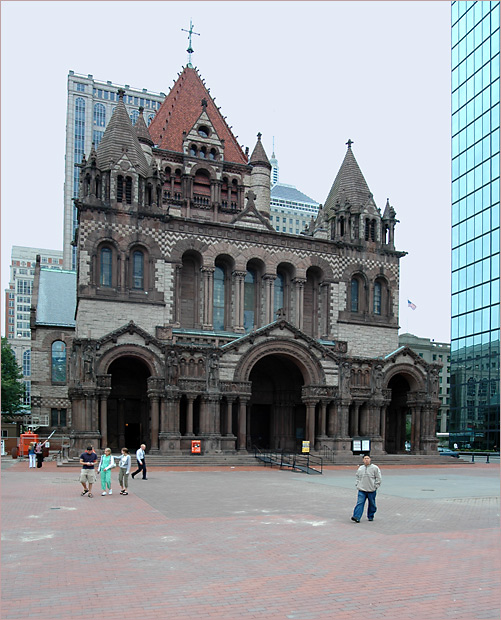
column 141, row 461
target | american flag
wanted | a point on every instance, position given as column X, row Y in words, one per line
column 411, row 305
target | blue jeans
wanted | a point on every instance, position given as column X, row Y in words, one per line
column 370, row 496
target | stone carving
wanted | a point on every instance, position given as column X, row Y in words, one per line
column 172, row 370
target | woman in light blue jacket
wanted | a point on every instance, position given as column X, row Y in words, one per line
column 123, row 471
column 105, row 465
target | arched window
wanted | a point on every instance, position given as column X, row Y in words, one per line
column 370, row 230
column 138, row 270
column 134, row 115
column 219, row 297
column 150, row 118
column 212, row 154
column 354, row 295
column 27, row 363
column 128, row 190
column 99, row 115
column 249, row 300
column 120, row 188
column 105, row 267
column 193, row 150
column 278, row 297
column 377, row 297
column 189, row 291
column 58, row 362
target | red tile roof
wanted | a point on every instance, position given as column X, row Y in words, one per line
column 181, row 109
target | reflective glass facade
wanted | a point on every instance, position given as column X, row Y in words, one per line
column 474, row 412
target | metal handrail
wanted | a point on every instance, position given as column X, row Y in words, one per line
column 307, row 463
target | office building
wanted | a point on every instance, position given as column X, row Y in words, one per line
column 91, row 104
column 291, row 211
column 474, row 411
column 18, row 303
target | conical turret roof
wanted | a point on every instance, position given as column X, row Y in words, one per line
column 180, row 111
column 349, row 185
column 142, row 132
column 259, row 154
column 119, row 138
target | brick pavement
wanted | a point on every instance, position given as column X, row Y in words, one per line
column 251, row 543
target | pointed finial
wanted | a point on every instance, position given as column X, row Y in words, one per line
column 190, row 49
column 121, row 94
column 349, row 143
column 204, row 103
column 259, row 135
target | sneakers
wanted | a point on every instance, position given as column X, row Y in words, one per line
column 110, row 492
column 103, row 493
column 356, row 520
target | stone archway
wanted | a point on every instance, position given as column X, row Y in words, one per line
column 128, row 410
column 397, row 412
column 277, row 416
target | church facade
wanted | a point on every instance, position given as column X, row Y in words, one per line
column 193, row 319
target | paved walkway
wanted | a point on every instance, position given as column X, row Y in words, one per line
column 236, row 544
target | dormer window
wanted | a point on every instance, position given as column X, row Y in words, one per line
column 203, row 131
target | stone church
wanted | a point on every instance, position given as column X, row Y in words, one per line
column 191, row 318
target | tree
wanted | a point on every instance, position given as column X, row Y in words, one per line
column 12, row 382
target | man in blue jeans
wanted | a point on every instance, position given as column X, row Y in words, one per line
column 368, row 481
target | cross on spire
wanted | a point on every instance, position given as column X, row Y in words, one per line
column 349, row 143
column 190, row 49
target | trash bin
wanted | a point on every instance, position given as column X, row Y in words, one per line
column 14, row 453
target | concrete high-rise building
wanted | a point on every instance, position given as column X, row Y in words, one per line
column 291, row 211
column 90, row 106
column 474, row 414
column 18, row 303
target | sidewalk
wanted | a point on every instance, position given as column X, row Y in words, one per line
column 236, row 544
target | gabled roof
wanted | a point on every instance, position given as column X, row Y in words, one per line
column 120, row 139
column 180, row 111
column 289, row 192
column 57, row 298
column 349, row 185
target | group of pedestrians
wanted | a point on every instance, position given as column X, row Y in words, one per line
column 89, row 459
column 35, row 453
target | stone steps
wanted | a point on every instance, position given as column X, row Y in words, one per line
column 246, row 460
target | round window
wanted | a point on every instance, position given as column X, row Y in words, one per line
column 203, row 131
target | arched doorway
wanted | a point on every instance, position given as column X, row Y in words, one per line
column 397, row 416
column 128, row 404
column 277, row 415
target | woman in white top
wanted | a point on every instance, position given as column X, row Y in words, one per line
column 123, row 471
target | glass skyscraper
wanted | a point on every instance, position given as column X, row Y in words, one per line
column 474, row 411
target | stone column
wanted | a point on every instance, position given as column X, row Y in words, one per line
column 332, row 419
column 177, row 294
column 310, row 422
column 155, row 422
column 242, row 425
column 323, row 420
column 229, row 417
column 239, row 277
column 104, row 420
column 355, row 431
column 121, row 421
column 208, row 301
column 268, row 281
column 299, row 290
column 189, row 415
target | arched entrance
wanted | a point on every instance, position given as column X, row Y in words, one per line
column 128, row 404
column 397, row 416
column 277, row 416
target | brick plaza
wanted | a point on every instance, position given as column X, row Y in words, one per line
column 241, row 543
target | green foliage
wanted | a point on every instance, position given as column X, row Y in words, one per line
column 12, row 382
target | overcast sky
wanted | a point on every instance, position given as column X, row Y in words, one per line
column 309, row 74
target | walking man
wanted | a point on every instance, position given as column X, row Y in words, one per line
column 368, row 480
column 141, row 461
column 87, row 474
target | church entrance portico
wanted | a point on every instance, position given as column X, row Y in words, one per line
column 277, row 415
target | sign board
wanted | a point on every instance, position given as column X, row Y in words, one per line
column 356, row 445
column 366, row 445
column 306, row 446
column 196, row 447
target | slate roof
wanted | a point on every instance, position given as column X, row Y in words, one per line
column 120, row 137
column 349, row 185
column 141, row 129
column 281, row 191
column 259, row 154
column 57, row 298
column 181, row 110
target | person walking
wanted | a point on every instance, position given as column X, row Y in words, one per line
column 87, row 473
column 368, row 480
column 141, row 462
column 31, row 454
column 39, row 453
column 106, row 463
column 124, row 465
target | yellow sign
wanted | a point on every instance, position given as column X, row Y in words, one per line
column 306, row 446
